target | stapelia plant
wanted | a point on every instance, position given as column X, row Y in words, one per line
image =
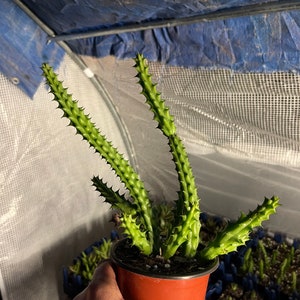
column 139, row 216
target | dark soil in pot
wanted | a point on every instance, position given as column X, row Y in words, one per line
column 130, row 258
column 228, row 280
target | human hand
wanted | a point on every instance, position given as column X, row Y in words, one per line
column 103, row 285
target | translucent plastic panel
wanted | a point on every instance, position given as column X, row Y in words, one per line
column 251, row 116
column 241, row 132
column 49, row 211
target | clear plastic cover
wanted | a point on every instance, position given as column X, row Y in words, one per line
column 49, row 210
column 240, row 130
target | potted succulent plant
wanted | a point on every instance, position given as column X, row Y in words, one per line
column 163, row 254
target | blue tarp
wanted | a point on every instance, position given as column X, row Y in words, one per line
column 250, row 44
column 260, row 43
column 23, row 48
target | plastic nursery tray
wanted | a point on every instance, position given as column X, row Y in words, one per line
column 227, row 278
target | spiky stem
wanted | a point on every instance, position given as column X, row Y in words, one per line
column 187, row 227
column 98, row 141
column 137, row 213
column 114, row 198
column 237, row 233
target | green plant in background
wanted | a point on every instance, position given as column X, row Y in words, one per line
column 139, row 216
column 273, row 262
column 86, row 264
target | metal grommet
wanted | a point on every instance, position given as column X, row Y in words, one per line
column 15, row 80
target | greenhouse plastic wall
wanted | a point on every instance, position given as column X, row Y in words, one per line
column 49, row 211
column 230, row 179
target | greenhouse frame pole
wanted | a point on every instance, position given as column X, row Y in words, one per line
column 222, row 14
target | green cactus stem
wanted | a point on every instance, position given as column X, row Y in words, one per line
column 237, row 233
column 116, row 160
column 187, row 227
column 114, row 198
column 264, row 254
column 138, row 213
column 275, row 255
column 294, row 281
column 261, row 268
column 282, row 271
column 247, row 260
column 86, row 264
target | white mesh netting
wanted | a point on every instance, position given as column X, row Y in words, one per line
column 49, row 211
column 251, row 116
column 241, row 132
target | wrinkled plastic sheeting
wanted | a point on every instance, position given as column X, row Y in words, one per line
column 49, row 210
column 85, row 15
column 262, row 43
column 249, row 44
column 23, row 48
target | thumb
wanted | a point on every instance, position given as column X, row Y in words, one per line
column 104, row 274
column 103, row 285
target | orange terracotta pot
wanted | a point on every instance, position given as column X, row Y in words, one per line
column 139, row 285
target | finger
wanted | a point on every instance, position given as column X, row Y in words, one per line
column 104, row 273
column 103, row 285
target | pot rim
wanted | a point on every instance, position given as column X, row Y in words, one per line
column 118, row 261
